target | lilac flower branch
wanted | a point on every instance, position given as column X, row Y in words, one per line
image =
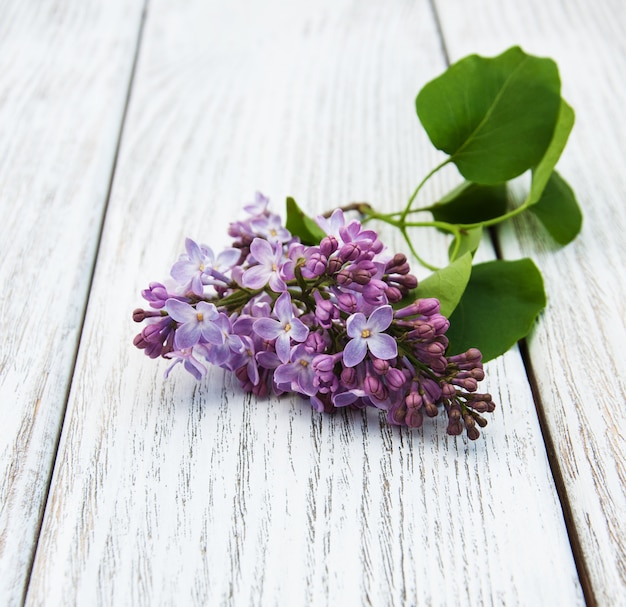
column 318, row 320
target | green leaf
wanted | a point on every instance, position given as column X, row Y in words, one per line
column 447, row 284
column 470, row 241
column 471, row 203
column 299, row 224
column 543, row 171
column 558, row 210
column 499, row 307
column 494, row 116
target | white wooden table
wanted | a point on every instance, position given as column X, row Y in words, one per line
column 126, row 126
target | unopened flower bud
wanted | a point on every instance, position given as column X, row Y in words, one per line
column 380, row 366
column 473, row 433
column 439, row 323
column 394, row 295
column 349, row 377
column 324, row 363
column 455, row 428
column 398, row 415
column 361, row 277
column 349, row 251
column 481, row 421
column 372, row 384
column 448, row 390
column 344, row 278
column 468, row 383
column 431, row 409
column 408, row 281
column 374, row 293
column 334, row 265
column 328, row 246
column 394, row 378
column 347, row 303
column 374, row 387
column 420, row 307
column 139, row 315
column 398, row 260
column 316, row 264
column 414, row 400
column 414, row 418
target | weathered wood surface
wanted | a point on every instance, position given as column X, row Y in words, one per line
column 577, row 350
column 64, row 74
column 168, row 492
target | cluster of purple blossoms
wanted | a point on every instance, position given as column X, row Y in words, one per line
column 328, row 321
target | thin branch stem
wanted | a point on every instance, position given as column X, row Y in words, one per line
column 419, row 187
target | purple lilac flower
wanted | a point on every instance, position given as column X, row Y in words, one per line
column 258, row 206
column 190, row 268
column 196, row 323
column 156, row 295
column 271, row 228
column 332, row 224
column 283, row 330
column 367, row 333
column 187, row 358
column 199, row 265
column 246, row 359
column 268, row 269
column 221, row 354
column 299, row 372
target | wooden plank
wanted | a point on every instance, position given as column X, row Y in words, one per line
column 64, row 75
column 169, row 492
column 577, row 350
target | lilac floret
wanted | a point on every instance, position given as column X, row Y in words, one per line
column 195, row 323
column 268, row 266
column 299, row 372
column 368, row 333
column 188, row 360
column 288, row 327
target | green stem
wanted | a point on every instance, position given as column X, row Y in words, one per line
column 419, row 187
column 496, row 220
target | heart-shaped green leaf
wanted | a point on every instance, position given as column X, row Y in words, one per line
column 494, row 116
column 558, row 210
column 301, row 225
column 498, row 308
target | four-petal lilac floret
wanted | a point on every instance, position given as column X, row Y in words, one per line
column 368, row 333
column 283, row 330
column 196, row 323
column 271, row 227
column 269, row 261
column 299, row 372
column 199, row 265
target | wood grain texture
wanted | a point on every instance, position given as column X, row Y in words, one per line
column 64, row 75
column 174, row 492
column 577, row 350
